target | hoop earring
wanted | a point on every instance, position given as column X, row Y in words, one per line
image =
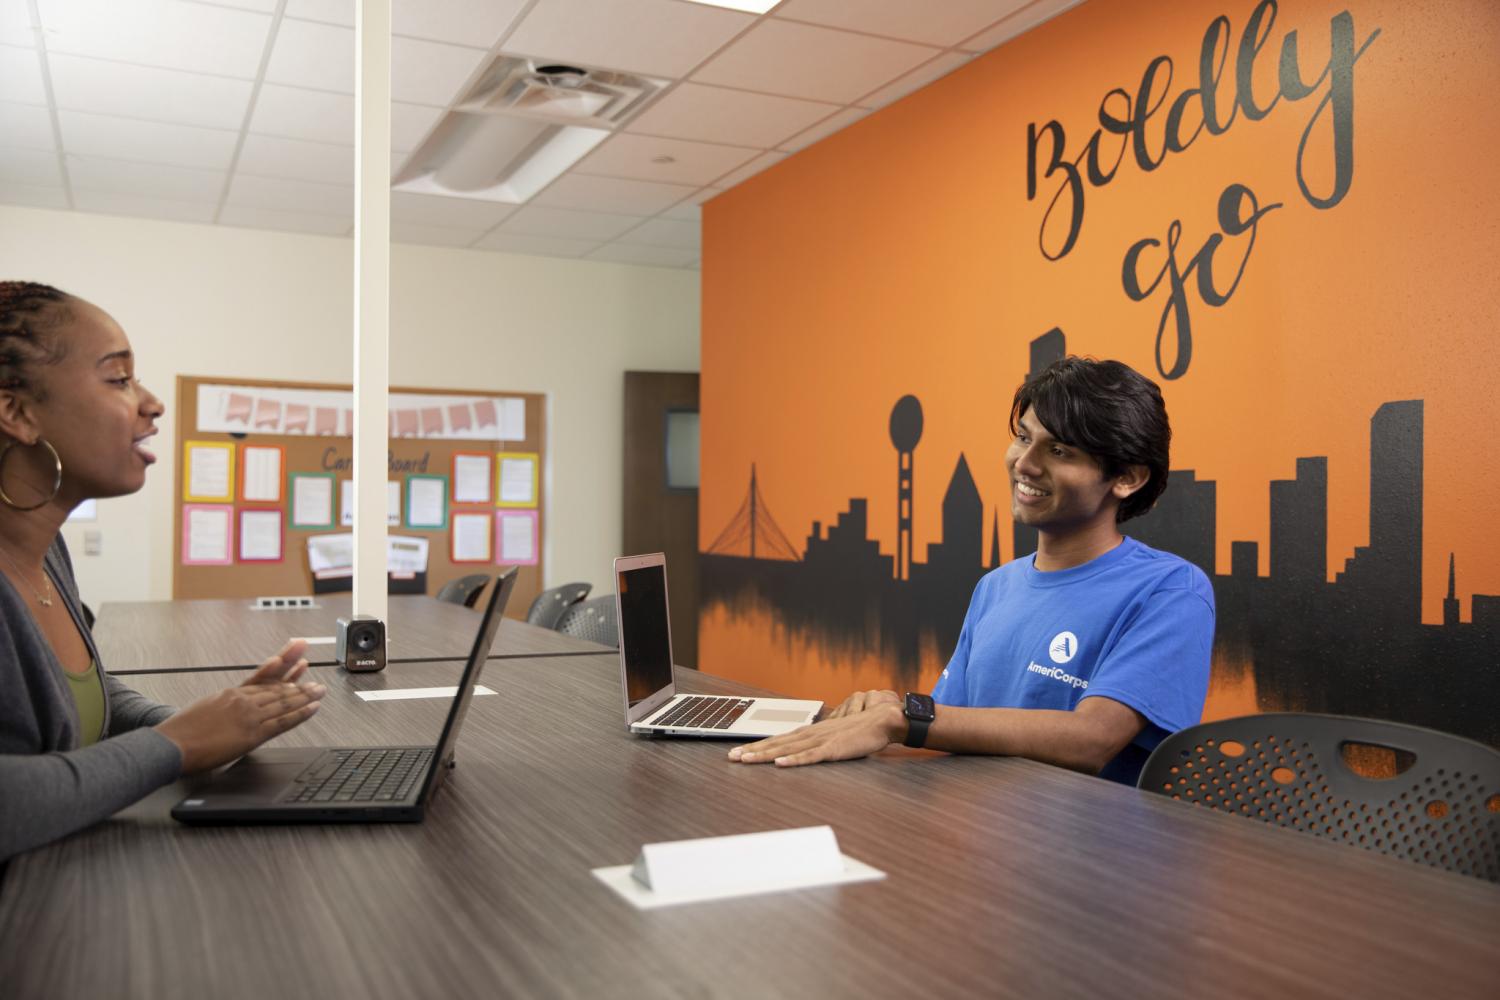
column 56, row 479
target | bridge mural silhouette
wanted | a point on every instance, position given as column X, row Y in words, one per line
column 1355, row 645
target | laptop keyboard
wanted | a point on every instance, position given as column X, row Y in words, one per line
column 704, row 712
column 361, row 776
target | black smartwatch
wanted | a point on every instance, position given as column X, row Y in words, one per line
column 920, row 711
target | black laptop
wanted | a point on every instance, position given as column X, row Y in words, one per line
column 346, row 784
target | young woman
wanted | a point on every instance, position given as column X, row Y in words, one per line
column 77, row 745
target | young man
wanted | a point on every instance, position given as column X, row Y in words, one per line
column 1085, row 655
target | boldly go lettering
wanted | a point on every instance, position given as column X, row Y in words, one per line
column 1239, row 211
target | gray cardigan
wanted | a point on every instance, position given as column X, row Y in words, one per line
column 49, row 787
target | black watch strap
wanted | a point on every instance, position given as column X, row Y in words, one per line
column 919, row 710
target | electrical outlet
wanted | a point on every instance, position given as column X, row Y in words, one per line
column 93, row 542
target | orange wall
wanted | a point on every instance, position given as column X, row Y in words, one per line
column 901, row 256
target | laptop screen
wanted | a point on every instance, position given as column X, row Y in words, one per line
column 645, row 637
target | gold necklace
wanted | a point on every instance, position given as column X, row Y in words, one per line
column 44, row 599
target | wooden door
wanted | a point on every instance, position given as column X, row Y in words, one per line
column 661, row 489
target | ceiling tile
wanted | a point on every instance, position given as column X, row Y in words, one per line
column 752, row 168
column 32, row 195
column 611, row 194
column 451, row 213
column 432, row 236
column 184, row 36
column 625, row 253
column 545, row 245
column 307, row 54
column 634, row 156
column 672, row 233
column 803, row 60
column 425, row 72
column 946, row 23
column 1021, row 21
column 115, row 203
column 539, row 220
column 824, row 129
column 663, row 37
column 462, row 22
column 293, row 222
column 284, row 195
column 687, row 211
column 733, row 117
column 27, row 126
column 21, row 76
column 915, row 80
column 36, row 167
column 162, row 95
column 15, row 24
column 154, row 180
column 264, row 6
column 295, row 113
column 274, row 156
column 146, row 142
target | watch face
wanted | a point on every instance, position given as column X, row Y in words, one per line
column 919, row 706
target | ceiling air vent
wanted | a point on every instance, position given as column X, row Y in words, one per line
column 523, row 124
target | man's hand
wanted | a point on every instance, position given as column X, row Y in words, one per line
column 846, row 737
column 864, row 701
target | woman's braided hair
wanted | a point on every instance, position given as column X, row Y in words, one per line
column 28, row 311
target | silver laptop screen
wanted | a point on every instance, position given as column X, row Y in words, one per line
column 646, row 641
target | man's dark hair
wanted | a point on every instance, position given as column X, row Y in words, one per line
column 1108, row 410
column 28, row 313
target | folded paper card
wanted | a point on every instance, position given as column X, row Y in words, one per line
column 691, row 871
column 395, row 694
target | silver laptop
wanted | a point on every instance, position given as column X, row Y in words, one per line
column 652, row 704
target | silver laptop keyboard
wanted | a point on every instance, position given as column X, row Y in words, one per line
column 374, row 775
column 704, row 711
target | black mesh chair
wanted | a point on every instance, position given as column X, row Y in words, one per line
column 592, row 620
column 465, row 590
column 1401, row 790
column 550, row 605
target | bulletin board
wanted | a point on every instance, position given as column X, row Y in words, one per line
column 465, row 468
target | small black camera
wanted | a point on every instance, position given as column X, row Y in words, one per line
column 360, row 644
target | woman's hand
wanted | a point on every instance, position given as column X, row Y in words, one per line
column 217, row 729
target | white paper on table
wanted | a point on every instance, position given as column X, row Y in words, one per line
column 208, row 472
column 709, row 868
column 262, row 474
column 471, row 479
column 513, row 420
column 330, row 552
column 471, row 537
column 312, row 500
column 517, row 543
column 396, row 694
column 260, row 535
column 405, row 554
column 518, row 480
column 392, row 503
column 426, row 502
column 208, row 536
column 346, row 503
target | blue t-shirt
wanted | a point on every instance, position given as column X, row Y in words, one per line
column 1135, row 625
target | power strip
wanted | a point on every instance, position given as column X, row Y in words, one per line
column 282, row 603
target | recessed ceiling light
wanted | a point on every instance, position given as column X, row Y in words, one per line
column 748, row 6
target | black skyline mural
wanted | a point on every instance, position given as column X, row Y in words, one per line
column 1353, row 646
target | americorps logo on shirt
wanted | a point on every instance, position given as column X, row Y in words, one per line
column 1064, row 647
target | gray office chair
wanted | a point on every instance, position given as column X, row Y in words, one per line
column 465, row 590
column 550, row 605
column 1401, row 790
column 593, row 620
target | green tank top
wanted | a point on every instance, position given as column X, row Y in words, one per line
column 88, row 695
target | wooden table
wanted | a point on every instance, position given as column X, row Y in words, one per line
column 151, row 636
column 1007, row 878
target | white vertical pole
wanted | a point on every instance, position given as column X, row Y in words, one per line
column 372, row 306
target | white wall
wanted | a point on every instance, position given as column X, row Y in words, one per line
column 215, row 301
